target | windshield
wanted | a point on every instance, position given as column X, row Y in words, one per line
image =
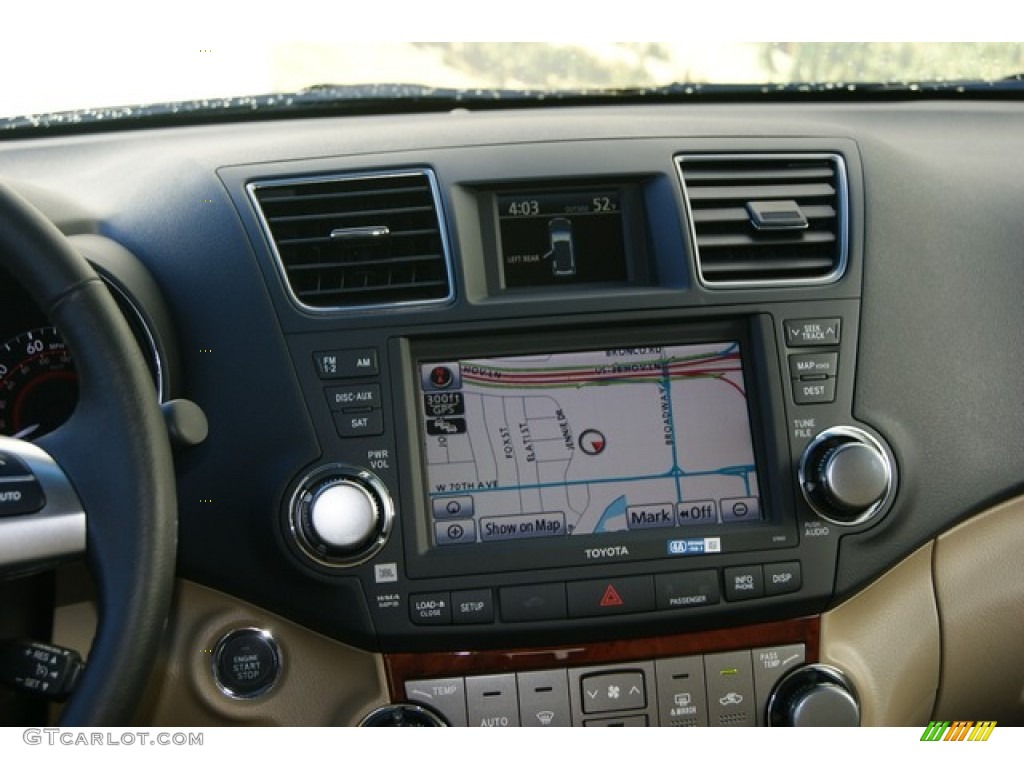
column 89, row 76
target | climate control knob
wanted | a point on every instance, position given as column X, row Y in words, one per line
column 340, row 516
column 847, row 476
column 814, row 695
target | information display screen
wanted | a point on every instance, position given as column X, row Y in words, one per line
column 562, row 238
column 585, row 443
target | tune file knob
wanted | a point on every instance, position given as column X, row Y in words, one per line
column 847, row 476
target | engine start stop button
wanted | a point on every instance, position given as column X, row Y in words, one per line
column 246, row 663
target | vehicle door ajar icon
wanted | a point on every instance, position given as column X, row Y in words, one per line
column 562, row 253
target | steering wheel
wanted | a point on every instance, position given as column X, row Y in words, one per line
column 112, row 458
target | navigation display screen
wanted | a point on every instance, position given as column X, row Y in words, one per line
column 581, row 443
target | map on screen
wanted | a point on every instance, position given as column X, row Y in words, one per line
column 587, row 442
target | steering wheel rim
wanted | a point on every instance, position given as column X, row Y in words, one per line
column 114, row 451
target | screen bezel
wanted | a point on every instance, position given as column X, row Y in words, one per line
column 767, row 425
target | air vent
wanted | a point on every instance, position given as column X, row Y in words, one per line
column 767, row 219
column 356, row 242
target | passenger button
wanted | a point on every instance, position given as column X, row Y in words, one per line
column 812, row 333
column 613, row 692
column 744, row 583
column 537, row 602
column 780, row 578
column 603, row 597
column 687, row 590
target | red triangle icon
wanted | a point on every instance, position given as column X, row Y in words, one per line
column 611, row 598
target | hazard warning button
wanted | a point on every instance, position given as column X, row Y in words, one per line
column 603, row 597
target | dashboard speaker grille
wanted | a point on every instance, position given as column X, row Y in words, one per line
column 767, row 219
column 358, row 241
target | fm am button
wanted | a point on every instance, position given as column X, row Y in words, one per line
column 602, row 597
column 346, row 363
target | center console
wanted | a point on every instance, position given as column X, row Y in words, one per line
column 568, row 436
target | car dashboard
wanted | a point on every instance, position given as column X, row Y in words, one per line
column 650, row 414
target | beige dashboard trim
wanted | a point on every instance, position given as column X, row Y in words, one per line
column 979, row 583
column 886, row 639
column 323, row 682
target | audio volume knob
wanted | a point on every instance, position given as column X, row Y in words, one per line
column 814, row 695
column 340, row 516
column 847, row 476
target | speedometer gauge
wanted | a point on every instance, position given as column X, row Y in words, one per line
column 38, row 383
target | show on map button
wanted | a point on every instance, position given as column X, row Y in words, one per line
column 525, row 526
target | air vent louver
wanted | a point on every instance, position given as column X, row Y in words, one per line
column 351, row 242
column 767, row 219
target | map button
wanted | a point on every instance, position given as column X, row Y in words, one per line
column 452, row 507
column 454, row 532
column 602, row 597
column 537, row 602
column 814, row 364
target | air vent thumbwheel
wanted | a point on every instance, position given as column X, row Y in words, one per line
column 340, row 516
column 847, row 476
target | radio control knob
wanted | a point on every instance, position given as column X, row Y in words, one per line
column 340, row 516
column 846, row 475
column 815, row 695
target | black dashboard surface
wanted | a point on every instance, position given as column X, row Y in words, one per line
column 935, row 271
